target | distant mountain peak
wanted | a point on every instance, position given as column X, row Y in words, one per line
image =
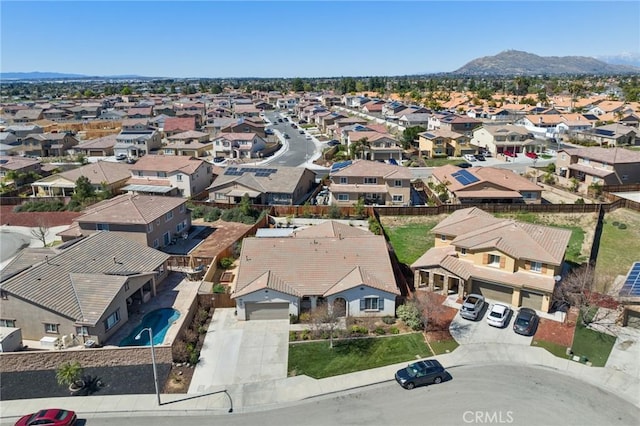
column 516, row 62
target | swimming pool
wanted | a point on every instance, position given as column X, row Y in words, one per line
column 159, row 321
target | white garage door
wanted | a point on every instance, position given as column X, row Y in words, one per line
column 531, row 300
column 492, row 291
column 267, row 311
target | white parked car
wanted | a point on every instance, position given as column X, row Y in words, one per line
column 498, row 315
column 469, row 157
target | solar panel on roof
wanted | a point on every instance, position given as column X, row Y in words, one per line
column 631, row 286
column 465, row 177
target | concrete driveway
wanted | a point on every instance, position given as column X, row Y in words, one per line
column 470, row 332
column 236, row 352
column 626, row 352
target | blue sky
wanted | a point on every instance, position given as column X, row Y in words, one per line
column 301, row 38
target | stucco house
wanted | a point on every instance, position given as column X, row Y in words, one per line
column 442, row 143
column 498, row 138
column 150, row 220
column 263, row 185
column 47, row 144
column 346, row 267
column 103, row 175
column 372, row 181
column 485, row 185
column 137, row 138
column 610, row 135
column 238, row 145
column 191, row 143
column 597, row 166
column 172, row 175
column 84, row 289
column 504, row 260
column 99, row 147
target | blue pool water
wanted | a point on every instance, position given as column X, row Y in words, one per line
column 159, row 322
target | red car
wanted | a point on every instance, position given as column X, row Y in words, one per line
column 532, row 155
column 510, row 154
column 49, row 416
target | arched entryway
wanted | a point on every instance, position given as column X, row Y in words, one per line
column 340, row 307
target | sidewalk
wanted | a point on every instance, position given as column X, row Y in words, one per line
column 274, row 393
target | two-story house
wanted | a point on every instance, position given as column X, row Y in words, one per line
column 503, row 137
column 238, row 145
column 47, row 144
column 453, row 122
column 84, row 289
column 191, row 143
column 442, row 143
column 375, row 146
column 137, row 139
column 597, row 166
column 372, row 181
column 244, row 125
column 502, row 259
column 153, row 221
column 27, row 116
column 171, row 175
column 485, row 185
column 176, row 125
column 610, row 135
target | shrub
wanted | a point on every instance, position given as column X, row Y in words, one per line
column 394, row 330
column 203, row 316
column 359, row 330
column 388, row 319
column 226, row 262
column 622, row 226
column 190, row 335
column 180, row 352
column 219, row 288
column 202, row 329
column 374, row 226
column 305, row 335
column 305, row 317
column 334, row 212
column 293, row 319
column 293, row 336
column 194, row 356
column 68, row 373
column 410, row 314
column 580, row 201
column 616, row 223
column 197, row 212
column 380, row 331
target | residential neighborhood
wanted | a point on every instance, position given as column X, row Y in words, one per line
column 185, row 240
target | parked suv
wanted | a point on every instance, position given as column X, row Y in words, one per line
column 472, row 307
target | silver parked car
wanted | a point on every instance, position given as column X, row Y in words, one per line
column 472, row 307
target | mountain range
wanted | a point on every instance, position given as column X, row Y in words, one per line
column 515, row 62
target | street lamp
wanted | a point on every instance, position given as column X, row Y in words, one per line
column 153, row 359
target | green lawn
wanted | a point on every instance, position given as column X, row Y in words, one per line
column 593, row 345
column 411, row 241
column 443, row 346
column 317, row 360
column 555, row 349
column 619, row 248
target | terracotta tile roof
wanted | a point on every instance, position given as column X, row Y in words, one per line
column 328, row 264
column 12, row 162
column 374, row 169
column 615, row 155
column 173, row 124
column 167, row 163
column 131, row 209
column 475, row 229
column 236, row 136
column 97, row 173
column 99, row 143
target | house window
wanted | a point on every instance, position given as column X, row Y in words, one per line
column 179, row 177
column 220, row 196
column 112, row 320
column 82, row 331
column 168, row 216
column 536, row 266
column 343, row 180
column 161, row 174
column 139, row 173
column 51, row 328
column 155, row 243
column 463, row 251
column 624, row 177
column 102, row 226
column 443, row 237
column 150, row 227
column 397, row 183
column 182, row 208
column 7, row 323
column 371, row 304
column 370, row 181
column 4, row 295
column 397, row 198
column 494, row 260
column 343, row 197
column 126, row 286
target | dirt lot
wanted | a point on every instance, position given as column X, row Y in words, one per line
column 558, row 332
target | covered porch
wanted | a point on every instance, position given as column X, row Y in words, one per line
column 440, row 281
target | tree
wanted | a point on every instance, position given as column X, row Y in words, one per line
column 325, row 319
column 297, row 85
column 126, row 90
column 41, row 232
column 410, row 134
column 578, row 289
column 84, row 189
column 69, row 373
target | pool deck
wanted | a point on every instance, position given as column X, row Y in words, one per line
column 176, row 292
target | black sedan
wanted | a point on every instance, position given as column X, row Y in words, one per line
column 526, row 322
column 464, row 165
column 480, row 157
column 421, row 373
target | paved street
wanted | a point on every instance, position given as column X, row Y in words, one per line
column 517, row 395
